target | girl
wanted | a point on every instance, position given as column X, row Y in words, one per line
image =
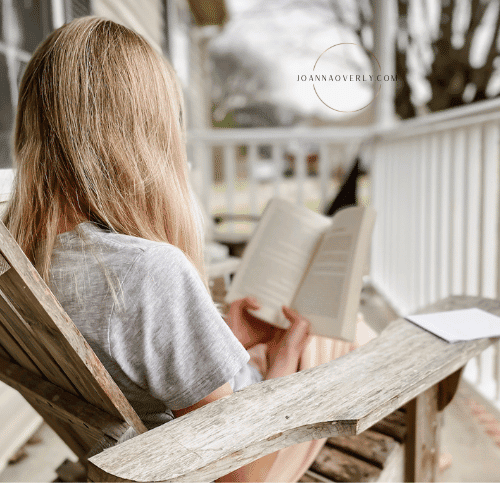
column 101, row 205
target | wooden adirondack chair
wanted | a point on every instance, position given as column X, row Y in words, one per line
column 48, row 361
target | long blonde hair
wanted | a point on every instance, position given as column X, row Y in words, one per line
column 99, row 136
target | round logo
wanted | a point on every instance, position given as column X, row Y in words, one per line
column 341, row 81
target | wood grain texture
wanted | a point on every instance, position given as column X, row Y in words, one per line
column 65, row 406
column 447, row 389
column 51, row 330
column 64, row 430
column 15, row 351
column 345, row 396
column 422, row 443
column 4, row 265
column 370, row 446
column 343, row 468
column 4, row 354
column 312, row 477
column 393, row 425
column 71, row 472
column 381, row 450
column 32, row 344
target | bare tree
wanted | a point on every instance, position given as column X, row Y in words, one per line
column 454, row 79
column 239, row 78
column 451, row 73
column 435, row 47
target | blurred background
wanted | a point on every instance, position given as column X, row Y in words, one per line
column 423, row 148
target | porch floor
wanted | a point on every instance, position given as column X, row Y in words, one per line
column 471, row 432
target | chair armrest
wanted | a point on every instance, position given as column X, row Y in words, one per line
column 345, row 396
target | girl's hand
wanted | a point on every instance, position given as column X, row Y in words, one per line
column 284, row 352
column 248, row 329
column 292, row 341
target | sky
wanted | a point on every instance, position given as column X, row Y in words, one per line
column 290, row 40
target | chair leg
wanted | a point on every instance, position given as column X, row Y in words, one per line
column 71, row 472
column 422, row 440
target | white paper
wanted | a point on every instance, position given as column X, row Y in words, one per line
column 459, row 325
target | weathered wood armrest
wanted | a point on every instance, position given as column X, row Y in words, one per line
column 345, row 396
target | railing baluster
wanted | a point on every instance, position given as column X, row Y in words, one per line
column 375, row 197
column 323, row 165
column 474, row 198
column 389, row 230
column 457, row 256
column 229, row 177
column 407, row 244
column 388, row 271
column 433, row 216
column 396, row 194
column 414, row 224
column 491, row 212
column 278, row 153
column 445, row 216
column 203, row 168
column 423, row 224
column 384, row 220
column 400, row 170
column 396, row 199
column 300, row 174
column 384, row 209
column 252, row 181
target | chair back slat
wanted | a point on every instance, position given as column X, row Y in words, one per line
column 71, row 437
column 38, row 335
column 32, row 344
column 10, row 349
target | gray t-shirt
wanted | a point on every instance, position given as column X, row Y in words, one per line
column 144, row 311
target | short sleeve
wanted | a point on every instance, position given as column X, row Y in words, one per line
column 167, row 334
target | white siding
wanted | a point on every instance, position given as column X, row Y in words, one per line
column 146, row 17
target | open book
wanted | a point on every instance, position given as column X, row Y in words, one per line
column 309, row 262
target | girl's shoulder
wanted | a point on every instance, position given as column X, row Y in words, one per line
column 89, row 246
column 88, row 235
column 91, row 233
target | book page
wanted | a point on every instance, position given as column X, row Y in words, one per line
column 330, row 292
column 277, row 257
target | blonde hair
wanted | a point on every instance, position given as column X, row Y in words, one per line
column 99, row 137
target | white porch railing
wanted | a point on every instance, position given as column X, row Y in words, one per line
column 436, row 187
column 247, row 181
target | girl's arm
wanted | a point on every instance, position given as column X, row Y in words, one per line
column 284, row 353
column 221, row 392
column 240, row 475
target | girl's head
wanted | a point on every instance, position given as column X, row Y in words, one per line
column 99, row 136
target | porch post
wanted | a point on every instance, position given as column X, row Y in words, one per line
column 384, row 39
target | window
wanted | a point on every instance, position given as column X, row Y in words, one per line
column 23, row 25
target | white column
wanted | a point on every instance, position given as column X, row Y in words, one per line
column 384, row 39
column 58, row 13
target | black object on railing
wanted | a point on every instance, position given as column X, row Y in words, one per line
column 346, row 197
